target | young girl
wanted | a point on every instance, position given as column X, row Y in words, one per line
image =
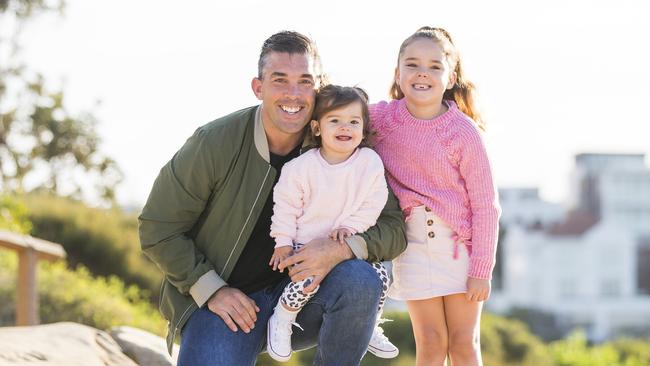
column 436, row 163
column 336, row 190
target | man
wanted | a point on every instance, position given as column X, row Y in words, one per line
column 206, row 225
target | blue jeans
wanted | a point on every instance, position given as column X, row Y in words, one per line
column 339, row 318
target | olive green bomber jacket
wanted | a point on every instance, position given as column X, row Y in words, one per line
column 203, row 207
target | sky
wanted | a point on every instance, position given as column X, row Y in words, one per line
column 555, row 78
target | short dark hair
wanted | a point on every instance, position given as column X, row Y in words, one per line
column 332, row 97
column 292, row 43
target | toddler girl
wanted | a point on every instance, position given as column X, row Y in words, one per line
column 336, row 190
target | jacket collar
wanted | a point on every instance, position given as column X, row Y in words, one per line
column 261, row 143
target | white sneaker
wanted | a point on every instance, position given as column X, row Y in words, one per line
column 278, row 333
column 379, row 344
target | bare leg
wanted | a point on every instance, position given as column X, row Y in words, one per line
column 430, row 331
column 464, row 327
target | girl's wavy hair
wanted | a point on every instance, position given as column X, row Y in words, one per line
column 463, row 92
column 332, row 97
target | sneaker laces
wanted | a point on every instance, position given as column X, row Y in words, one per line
column 383, row 320
column 378, row 333
column 285, row 328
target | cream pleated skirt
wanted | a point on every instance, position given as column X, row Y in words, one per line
column 427, row 268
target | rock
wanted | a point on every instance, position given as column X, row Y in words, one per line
column 145, row 348
column 60, row 344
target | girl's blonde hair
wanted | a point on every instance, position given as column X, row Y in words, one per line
column 463, row 92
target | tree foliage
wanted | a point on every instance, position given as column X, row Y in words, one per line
column 26, row 8
column 13, row 215
column 41, row 142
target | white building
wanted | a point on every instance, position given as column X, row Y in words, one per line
column 524, row 207
column 614, row 187
column 590, row 265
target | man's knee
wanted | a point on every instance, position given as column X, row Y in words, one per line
column 206, row 340
column 356, row 280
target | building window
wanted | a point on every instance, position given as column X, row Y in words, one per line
column 568, row 288
column 643, row 269
column 610, row 287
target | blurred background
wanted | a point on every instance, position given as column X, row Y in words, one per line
column 95, row 97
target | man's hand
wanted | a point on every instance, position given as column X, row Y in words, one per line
column 477, row 289
column 279, row 254
column 235, row 308
column 316, row 259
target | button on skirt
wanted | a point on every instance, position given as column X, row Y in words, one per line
column 427, row 268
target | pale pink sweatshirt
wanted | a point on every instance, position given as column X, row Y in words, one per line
column 442, row 164
column 313, row 197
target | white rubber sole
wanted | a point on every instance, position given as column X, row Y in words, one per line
column 383, row 353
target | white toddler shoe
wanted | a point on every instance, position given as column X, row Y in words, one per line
column 278, row 333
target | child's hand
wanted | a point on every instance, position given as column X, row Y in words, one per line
column 280, row 254
column 340, row 234
column 477, row 289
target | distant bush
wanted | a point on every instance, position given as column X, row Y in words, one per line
column 575, row 351
column 509, row 342
column 105, row 241
column 71, row 295
column 13, row 215
column 632, row 352
column 77, row 296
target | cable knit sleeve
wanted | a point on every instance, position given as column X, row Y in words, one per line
column 483, row 200
column 288, row 204
column 376, row 193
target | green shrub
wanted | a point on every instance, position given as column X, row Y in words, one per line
column 71, row 295
column 77, row 296
column 104, row 241
column 632, row 352
column 13, row 215
column 575, row 351
column 509, row 342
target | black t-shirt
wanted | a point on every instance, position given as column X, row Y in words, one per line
column 252, row 271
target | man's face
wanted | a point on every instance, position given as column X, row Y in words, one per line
column 287, row 92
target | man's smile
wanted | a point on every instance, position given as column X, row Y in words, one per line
column 291, row 109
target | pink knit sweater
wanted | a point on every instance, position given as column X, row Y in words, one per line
column 442, row 164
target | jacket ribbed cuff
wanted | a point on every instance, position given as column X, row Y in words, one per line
column 358, row 246
column 205, row 287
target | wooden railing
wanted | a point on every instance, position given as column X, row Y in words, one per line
column 30, row 251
